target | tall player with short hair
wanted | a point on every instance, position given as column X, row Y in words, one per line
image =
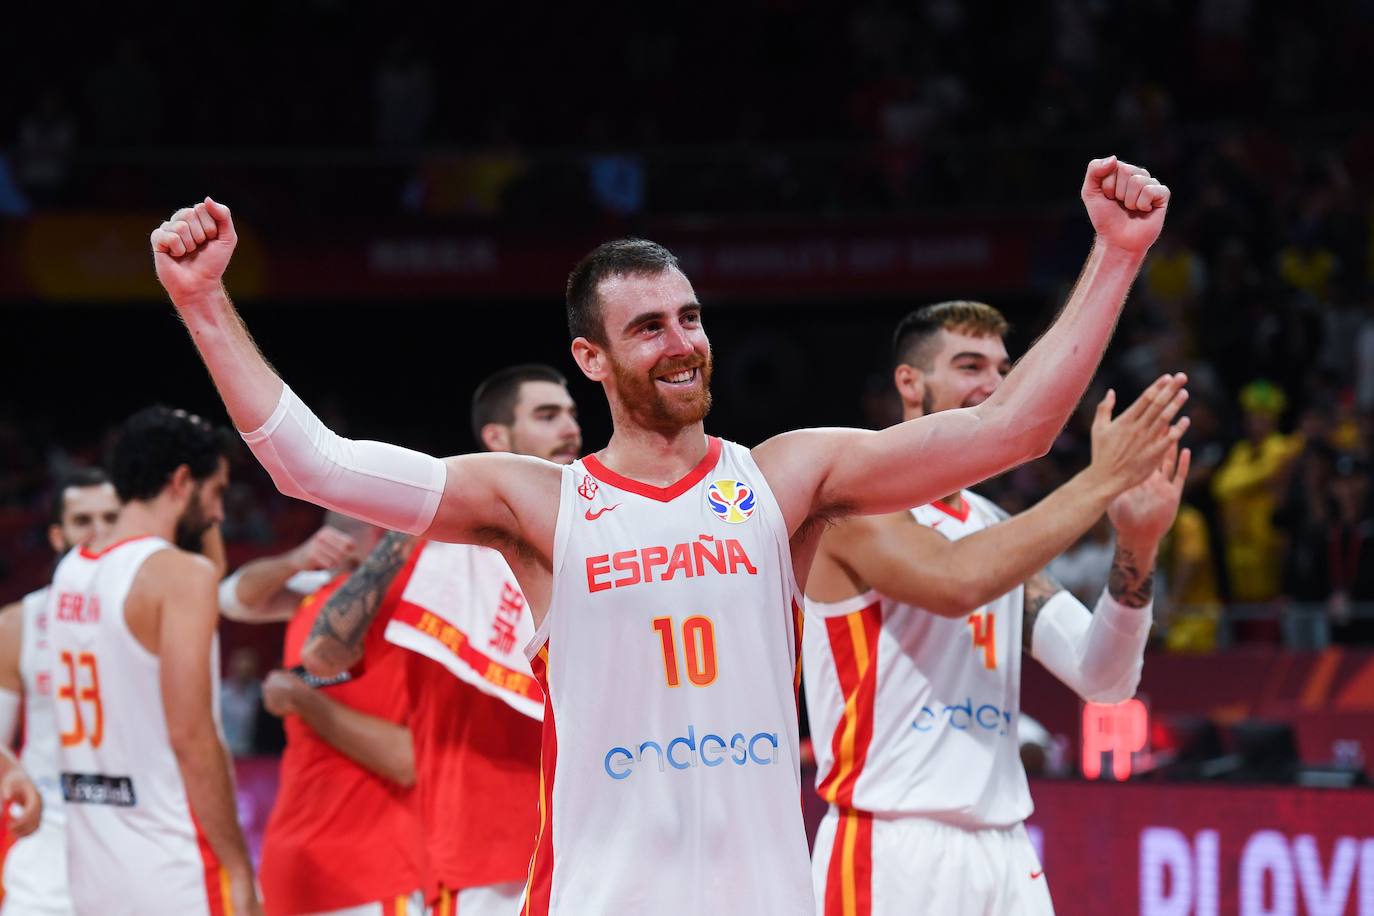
column 84, row 507
column 152, row 825
column 663, row 572
column 916, row 622
column 474, row 710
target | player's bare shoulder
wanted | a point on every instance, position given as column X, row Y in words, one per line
column 170, row 578
column 794, row 464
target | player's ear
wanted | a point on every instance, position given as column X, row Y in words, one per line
column 591, row 358
column 496, row 437
column 55, row 539
column 181, row 482
column 911, row 385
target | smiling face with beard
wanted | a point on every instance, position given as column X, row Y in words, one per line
column 666, row 411
column 964, row 370
column 657, row 352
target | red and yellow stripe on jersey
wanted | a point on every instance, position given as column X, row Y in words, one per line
column 540, row 885
column 853, row 642
column 217, row 897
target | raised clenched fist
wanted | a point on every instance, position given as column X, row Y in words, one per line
column 1125, row 203
column 192, row 249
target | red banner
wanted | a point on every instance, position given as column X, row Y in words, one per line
column 1203, row 851
column 425, row 260
column 1157, row 850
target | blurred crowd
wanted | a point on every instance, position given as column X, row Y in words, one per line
column 759, row 106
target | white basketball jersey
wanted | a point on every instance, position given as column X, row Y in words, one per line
column 915, row 714
column 36, row 866
column 670, row 770
column 132, row 843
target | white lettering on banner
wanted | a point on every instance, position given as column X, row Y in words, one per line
column 1325, row 897
column 1181, row 877
column 1367, row 878
column 1208, row 845
column 1037, row 839
column 1266, row 854
column 1174, row 879
column 426, row 257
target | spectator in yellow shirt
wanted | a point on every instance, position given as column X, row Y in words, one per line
column 1187, row 565
column 1247, row 487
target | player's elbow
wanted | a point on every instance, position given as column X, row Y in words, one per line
column 948, row 604
column 192, row 737
column 1017, row 434
column 403, row 774
column 326, row 658
column 1118, row 692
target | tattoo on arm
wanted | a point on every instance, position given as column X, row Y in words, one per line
column 1040, row 588
column 349, row 612
column 1128, row 583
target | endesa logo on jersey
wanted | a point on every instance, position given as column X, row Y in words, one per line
column 732, row 501
column 687, row 751
column 988, row 717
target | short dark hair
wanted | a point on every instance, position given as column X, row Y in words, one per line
column 495, row 399
column 623, row 257
column 915, row 332
column 157, row 440
column 78, row 477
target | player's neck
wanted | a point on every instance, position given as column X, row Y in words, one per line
column 142, row 519
column 955, row 502
column 654, row 457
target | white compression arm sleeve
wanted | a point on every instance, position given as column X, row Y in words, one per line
column 1099, row 654
column 383, row 484
column 9, row 716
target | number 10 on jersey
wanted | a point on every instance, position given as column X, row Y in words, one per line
column 698, row 644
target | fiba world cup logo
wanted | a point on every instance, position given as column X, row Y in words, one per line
column 732, row 501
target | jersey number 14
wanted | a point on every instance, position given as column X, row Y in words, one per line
column 984, row 628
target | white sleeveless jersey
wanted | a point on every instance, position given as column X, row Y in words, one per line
column 132, row 844
column 36, row 867
column 670, row 772
column 915, row 714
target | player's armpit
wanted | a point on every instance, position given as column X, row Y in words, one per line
column 901, row 559
column 1039, row 589
column 501, row 500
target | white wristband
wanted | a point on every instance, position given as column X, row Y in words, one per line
column 229, row 604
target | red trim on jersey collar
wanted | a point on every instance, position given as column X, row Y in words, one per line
column 662, row 494
column 947, row 509
column 89, row 554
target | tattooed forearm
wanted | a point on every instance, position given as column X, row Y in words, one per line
column 1039, row 589
column 349, row 612
column 1130, row 582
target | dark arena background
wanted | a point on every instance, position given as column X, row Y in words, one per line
column 411, row 189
